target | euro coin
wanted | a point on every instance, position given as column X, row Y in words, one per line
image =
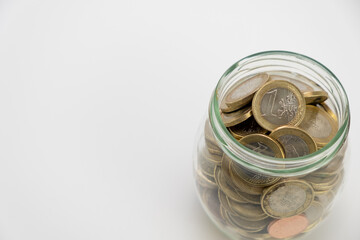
column 315, row 97
column 234, row 118
column 249, row 126
column 263, row 144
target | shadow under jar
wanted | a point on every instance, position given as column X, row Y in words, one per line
column 272, row 190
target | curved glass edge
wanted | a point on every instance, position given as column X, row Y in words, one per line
column 307, row 166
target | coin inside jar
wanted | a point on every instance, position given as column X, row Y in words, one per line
column 250, row 126
column 295, row 142
column 319, row 124
column 287, row 198
column 239, row 116
column 242, row 94
column 315, row 97
column 288, row 227
column 278, row 103
column 263, row 144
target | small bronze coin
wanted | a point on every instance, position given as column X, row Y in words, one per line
column 234, row 118
column 288, row 227
column 278, row 103
column 242, row 94
column 287, row 198
column 315, row 97
column 295, row 141
column 319, row 124
column 263, row 144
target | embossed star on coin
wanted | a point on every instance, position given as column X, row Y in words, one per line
column 295, row 142
column 278, row 103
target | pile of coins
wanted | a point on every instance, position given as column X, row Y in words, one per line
column 278, row 117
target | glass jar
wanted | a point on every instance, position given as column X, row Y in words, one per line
column 253, row 196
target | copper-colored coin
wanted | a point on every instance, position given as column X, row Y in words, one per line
column 242, row 94
column 319, row 125
column 263, row 144
column 288, row 227
column 295, row 141
column 278, row 103
column 250, row 126
column 315, row 97
column 239, row 116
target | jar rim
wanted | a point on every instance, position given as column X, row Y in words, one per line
column 300, row 164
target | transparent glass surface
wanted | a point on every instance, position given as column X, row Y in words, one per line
column 252, row 196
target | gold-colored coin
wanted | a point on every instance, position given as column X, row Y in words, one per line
column 301, row 85
column 319, row 124
column 248, row 211
column 224, row 201
column 250, row 126
column 327, row 109
column 278, row 103
column 315, row 97
column 227, row 188
column 234, row 118
column 253, row 178
column 295, row 141
column 287, row 198
column 211, row 200
column 242, row 185
column 209, row 157
column 242, row 94
column 204, row 180
column 334, row 167
column 325, row 198
column 314, row 214
column 263, row 144
column 249, row 226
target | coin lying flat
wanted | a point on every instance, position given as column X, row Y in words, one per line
column 250, row 126
column 319, row 124
column 295, row 142
column 242, row 94
column 248, row 211
column 278, row 103
column 239, row 116
column 315, row 97
column 263, row 144
column 249, row 226
column 227, row 188
column 314, row 214
column 288, row 227
column 287, row 198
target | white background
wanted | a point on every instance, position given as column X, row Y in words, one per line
column 100, row 102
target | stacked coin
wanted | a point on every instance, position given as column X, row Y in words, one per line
column 277, row 117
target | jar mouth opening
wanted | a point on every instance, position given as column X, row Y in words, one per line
column 267, row 164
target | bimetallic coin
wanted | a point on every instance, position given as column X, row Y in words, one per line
column 204, row 180
column 319, row 124
column 247, row 211
column 315, row 97
column 249, row 226
column 211, row 200
column 327, row 109
column 288, row 227
column 301, row 85
column 295, row 142
column 278, row 103
column 322, row 183
column 263, row 144
column 253, row 178
column 228, row 189
column 242, row 94
column 250, row 126
column 234, row 118
column 287, row 199
column 314, row 214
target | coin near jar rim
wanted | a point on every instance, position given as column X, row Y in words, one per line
column 327, row 109
column 250, row 126
column 315, row 97
column 278, row 103
column 287, row 198
column 314, row 214
column 288, row 227
column 242, row 94
column 263, row 144
column 231, row 119
column 319, row 125
column 295, row 141
column 302, row 86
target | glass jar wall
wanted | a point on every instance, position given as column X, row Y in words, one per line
column 249, row 195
